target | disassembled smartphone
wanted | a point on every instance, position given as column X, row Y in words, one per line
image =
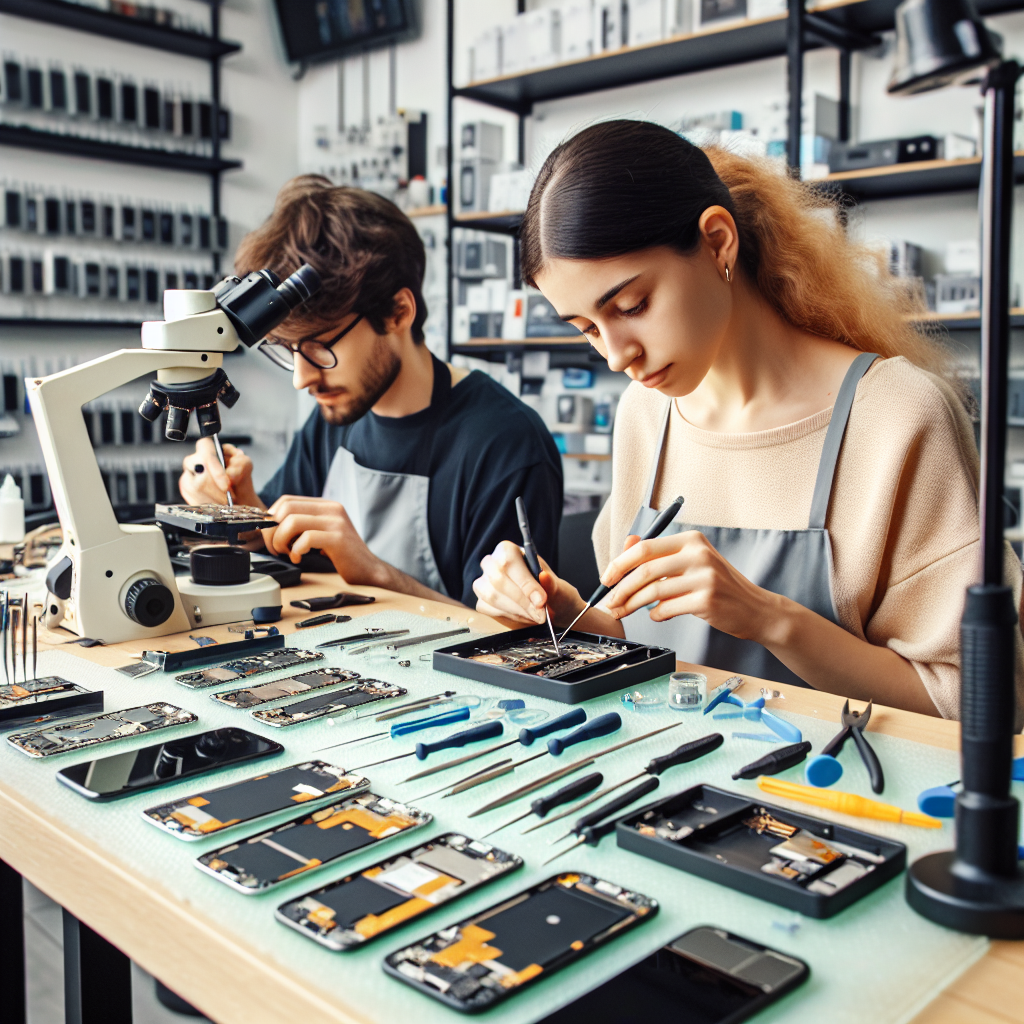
column 214, row 520
column 148, row 767
column 707, row 976
column 478, row 962
column 309, row 842
column 87, row 732
column 44, row 698
column 359, row 907
column 214, row 810
column 288, row 687
column 250, row 665
column 539, row 656
column 336, row 704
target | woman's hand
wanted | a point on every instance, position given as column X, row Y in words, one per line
column 687, row 576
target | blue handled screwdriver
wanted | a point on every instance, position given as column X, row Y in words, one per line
column 457, row 739
column 459, row 714
column 526, row 737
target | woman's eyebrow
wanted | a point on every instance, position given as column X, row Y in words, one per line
column 608, row 295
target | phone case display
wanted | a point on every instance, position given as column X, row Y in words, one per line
column 476, row 963
column 315, row 680
column 359, row 907
column 214, row 810
column 336, row 704
column 87, row 732
column 245, row 667
column 586, row 665
column 318, row 838
column 806, row 864
column 36, row 699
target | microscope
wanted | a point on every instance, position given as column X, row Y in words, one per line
column 114, row 581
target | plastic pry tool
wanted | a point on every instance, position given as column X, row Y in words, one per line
column 656, row 529
column 774, row 762
column 722, row 693
column 846, row 803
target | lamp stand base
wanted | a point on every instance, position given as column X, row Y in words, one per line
column 986, row 905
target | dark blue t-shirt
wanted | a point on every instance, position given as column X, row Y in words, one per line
column 489, row 448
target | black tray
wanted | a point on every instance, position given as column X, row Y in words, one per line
column 719, row 834
column 637, row 664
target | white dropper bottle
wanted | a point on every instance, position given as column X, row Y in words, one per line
column 12, row 512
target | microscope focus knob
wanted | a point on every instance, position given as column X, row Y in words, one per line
column 148, row 602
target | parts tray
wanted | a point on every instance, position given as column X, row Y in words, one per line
column 638, row 664
column 722, row 849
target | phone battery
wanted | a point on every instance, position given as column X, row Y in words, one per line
column 250, row 665
column 315, row 680
column 105, row 728
column 214, row 810
column 335, row 704
column 39, row 699
column 309, row 842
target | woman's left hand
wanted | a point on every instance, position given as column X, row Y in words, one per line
column 687, row 576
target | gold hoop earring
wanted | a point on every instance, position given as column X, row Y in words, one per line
column 728, row 274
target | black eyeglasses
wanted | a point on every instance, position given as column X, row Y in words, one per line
column 317, row 353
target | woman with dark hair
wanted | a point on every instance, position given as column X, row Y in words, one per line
column 779, row 384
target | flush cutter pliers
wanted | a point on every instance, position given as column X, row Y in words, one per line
column 854, row 724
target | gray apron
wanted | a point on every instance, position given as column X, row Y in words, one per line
column 794, row 563
column 389, row 510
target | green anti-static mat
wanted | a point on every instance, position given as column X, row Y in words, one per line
column 876, row 961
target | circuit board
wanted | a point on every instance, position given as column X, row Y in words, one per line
column 214, row 520
column 38, row 700
column 539, row 657
column 315, row 680
column 248, row 666
column 336, row 704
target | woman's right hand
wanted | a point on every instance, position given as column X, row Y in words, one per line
column 508, row 590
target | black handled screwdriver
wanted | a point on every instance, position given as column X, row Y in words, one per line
column 681, row 755
column 775, row 762
column 585, row 828
column 656, row 529
column 543, row 804
column 457, row 739
column 533, row 561
column 526, row 736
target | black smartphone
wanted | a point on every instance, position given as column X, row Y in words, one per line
column 106, row 778
column 476, row 963
column 345, row 914
column 707, row 976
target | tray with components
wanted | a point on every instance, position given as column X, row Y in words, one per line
column 809, row 865
column 585, row 665
column 214, row 520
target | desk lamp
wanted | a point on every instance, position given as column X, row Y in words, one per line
column 978, row 887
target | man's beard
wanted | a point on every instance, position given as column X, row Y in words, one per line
column 380, row 373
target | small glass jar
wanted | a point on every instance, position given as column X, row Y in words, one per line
column 686, row 690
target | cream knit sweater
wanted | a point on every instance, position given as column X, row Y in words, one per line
column 903, row 518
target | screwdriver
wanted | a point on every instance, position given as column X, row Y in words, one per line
column 223, row 465
column 775, row 762
column 406, row 709
column 681, row 755
column 404, row 728
column 601, row 726
column 533, row 562
column 568, row 769
column 656, row 529
column 526, row 736
column 543, row 804
column 457, row 739
column 587, row 829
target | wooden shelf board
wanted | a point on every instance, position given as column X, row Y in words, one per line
column 436, row 210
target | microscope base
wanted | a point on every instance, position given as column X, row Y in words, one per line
column 207, row 605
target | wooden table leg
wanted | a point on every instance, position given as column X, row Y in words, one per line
column 97, row 977
column 12, row 945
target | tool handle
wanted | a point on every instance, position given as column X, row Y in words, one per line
column 687, row 752
column 837, row 742
column 614, row 806
column 529, row 548
column 871, row 762
column 664, row 517
column 580, row 787
column 459, row 714
column 593, row 834
column 575, row 717
column 600, row 726
column 775, row 762
column 460, row 739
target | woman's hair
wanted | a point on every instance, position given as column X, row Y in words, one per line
column 362, row 246
column 622, row 186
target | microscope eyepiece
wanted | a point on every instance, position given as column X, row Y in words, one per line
column 257, row 303
column 301, row 285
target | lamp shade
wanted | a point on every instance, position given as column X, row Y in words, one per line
column 939, row 43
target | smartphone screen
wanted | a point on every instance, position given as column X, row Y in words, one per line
column 707, row 976
column 359, row 907
column 106, row 778
column 313, row 680
column 484, row 959
column 214, row 810
column 309, row 842
column 334, row 704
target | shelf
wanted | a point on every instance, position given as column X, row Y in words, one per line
column 477, row 345
column 584, row 457
column 970, row 321
column 504, row 222
column 118, row 26
column 75, row 145
column 728, row 44
column 439, row 209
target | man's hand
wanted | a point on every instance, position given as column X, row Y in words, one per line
column 205, row 480
column 306, row 524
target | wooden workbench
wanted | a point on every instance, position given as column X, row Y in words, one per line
column 230, row 982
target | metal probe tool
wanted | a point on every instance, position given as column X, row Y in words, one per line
column 24, row 639
column 35, row 645
column 457, row 739
column 407, row 709
column 3, row 635
column 587, row 829
column 656, row 529
column 224, row 466
column 404, row 728
column 565, row 795
column 533, row 561
column 410, row 642
column 681, row 755
column 354, row 638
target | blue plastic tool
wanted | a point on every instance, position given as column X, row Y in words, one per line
column 939, row 801
column 755, row 711
column 430, row 721
column 824, row 770
column 722, row 693
column 763, row 736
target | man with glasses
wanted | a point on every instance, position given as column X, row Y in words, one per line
column 406, row 474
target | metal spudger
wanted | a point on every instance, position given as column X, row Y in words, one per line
column 24, row 639
column 224, row 466
column 533, row 561
column 656, row 529
column 356, row 637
